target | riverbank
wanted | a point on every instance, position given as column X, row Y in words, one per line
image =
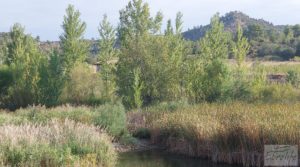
column 232, row 133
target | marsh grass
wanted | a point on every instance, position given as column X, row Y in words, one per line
column 234, row 133
column 111, row 117
column 56, row 143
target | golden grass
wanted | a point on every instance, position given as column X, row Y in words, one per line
column 231, row 133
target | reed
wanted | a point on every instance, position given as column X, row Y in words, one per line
column 233, row 133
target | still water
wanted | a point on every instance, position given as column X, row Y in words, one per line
column 157, row 158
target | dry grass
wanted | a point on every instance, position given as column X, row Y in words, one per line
column 58, row 143
column 231, row 133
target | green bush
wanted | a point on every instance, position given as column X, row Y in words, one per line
column 83, row 86
column 293, row 77
column 112, row 117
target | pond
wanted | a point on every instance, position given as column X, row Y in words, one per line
column 158, row 158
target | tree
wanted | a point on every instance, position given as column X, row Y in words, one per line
column 289, row 34
column 24, row 59
column 296, row 30
column 298, row 49
column 52, row 80
column 136, row 32
column 241, row 47
column 82, row 87
column 210, row 72
column 255, row 32
column 74, row 48
column 107, row 55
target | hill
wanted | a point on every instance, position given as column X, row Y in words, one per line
column 268, row 41
column 230, row 21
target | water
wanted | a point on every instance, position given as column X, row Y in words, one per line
column 157, row 158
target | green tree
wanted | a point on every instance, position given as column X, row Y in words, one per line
column 255, row 32
column 52, row 80
column 107, row 56
column 176, row 49
column 24, row 59
column 74, row 48
column 241, row 47
column 296, row 30
column 83, row 86
column 289, row 34
column 210, row 71
column 136, row 32
column 137, row 89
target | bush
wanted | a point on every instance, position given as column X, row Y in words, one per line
column 278, row 93
column 111, row 117
column 83, row 86
column 6, row 80
column 293, row 77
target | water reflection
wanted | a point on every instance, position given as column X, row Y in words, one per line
column 157, row 158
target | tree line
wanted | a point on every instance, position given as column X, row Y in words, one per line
column 154, row 65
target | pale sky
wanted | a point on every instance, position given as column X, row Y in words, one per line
column 44, row 17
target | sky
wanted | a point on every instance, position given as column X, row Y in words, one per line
column 44, row 17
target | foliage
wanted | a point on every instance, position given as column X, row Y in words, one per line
column 73, row 45
column 240, row 47
column 24, row 60
column 293, row 77
column 107, row 55
column 209, row 86
column 158, row 57
column 82, row 87
column 52, row 80
column 113, row 118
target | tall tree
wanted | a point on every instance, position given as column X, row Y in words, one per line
column 74, row 48
column 107, row 57
column 24, row 59
column 240, row 47
column 136, row 32
column 52, row 80
column 208, row 72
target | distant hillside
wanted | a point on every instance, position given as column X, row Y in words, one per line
column 230, row 21
column 268, row 41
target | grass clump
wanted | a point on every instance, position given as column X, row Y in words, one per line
column 56, row 143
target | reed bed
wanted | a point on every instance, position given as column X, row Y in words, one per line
column 56, row 143
column 233, row 133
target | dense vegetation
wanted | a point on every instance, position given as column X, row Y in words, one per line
column 151, row 69
column 268, row 42
column 234, row 133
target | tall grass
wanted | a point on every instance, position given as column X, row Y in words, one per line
column 109, row 116
column 56, row 143
column 231, row 133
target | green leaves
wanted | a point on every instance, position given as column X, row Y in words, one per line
column 240, row 47
column 75, row 49
column 108, row 54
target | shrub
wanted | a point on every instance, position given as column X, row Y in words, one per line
column 111, row 117
column 82, row 87
column 293, row 77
